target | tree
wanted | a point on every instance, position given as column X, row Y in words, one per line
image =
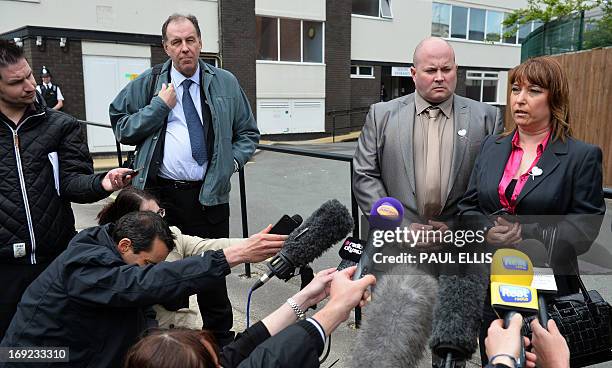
column 547, row 10
column 599, row 33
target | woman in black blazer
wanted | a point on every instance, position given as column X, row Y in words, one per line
column 540, row 176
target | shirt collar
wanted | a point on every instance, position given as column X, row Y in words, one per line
column 178, row 78
column 445, row 106
column 541, row 146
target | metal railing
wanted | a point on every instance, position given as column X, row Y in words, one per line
column 119, row 153
column 337, row 113
column 303, row 153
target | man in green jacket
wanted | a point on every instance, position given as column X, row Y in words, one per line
column 193, row 128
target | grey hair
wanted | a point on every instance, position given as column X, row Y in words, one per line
column 175, row 17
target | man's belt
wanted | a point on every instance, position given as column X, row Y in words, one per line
column 179, row 184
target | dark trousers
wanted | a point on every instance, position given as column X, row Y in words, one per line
column 14, row 279
column 184, row 211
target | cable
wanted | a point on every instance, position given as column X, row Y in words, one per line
column 248, row 307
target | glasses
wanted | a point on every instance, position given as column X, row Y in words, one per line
column 161, row 212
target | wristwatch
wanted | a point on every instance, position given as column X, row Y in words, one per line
column 296, row 309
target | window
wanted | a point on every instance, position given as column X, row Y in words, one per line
column 362, row 71
column 481, row 86
column 525, row 29
column 290, row 31
column 475, row 24
column 494, row 25
column 373, row 8
column 508, row 39
column 292, row 40
column 267, row 37
column 440, row 23
column 313, row 42
column 459, row 22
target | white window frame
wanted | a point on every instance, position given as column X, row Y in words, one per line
column 380, row 16
column 278, row 43
column 467, row 31
column 481, row 77
column 467, row 25
column 500, row 31
column 450, row 16
column 360, row 75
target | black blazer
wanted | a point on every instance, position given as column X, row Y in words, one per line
column 569, row 193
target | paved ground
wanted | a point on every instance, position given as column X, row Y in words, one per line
column 277, row 184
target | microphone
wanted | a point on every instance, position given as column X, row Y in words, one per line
column 511, row 291
column 386, row 214
column 350, row 252
column 286, row 225
column 457, row 318
column 546, row 284
column 327, row 225
column 399, row 323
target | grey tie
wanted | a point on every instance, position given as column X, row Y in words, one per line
column 432, row 203
column 194, row 125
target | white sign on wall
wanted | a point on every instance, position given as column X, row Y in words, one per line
column 400, row 71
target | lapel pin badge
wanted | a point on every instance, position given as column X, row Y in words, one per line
column 462, row 132
column 535, row 171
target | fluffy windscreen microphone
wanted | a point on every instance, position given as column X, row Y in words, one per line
column 457, row 317
column 399, row 321
column 327, row 225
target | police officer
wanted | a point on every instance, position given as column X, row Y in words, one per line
column 51, row 93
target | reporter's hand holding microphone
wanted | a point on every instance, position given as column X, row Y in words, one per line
column 344, row 295
column 549, row 348
column 503, row 345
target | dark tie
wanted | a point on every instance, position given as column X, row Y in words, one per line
column 194, row 125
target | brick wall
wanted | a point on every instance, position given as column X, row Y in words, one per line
column 66, row 67
column 337, row 60
column 364, row 92
column 461, row 74
column 158, row 55
column 238, row 41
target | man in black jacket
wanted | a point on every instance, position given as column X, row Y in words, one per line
column 44, row 165
column 92, row 298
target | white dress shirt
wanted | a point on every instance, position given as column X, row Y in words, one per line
column 58, row 91
column 178, row 163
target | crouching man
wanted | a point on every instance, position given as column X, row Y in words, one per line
column 92, row 298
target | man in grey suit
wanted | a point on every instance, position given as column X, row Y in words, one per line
column 420, row 148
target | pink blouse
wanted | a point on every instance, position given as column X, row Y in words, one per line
column 512, row 166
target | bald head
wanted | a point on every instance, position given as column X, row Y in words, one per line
column 431, row 45
column 434, row 72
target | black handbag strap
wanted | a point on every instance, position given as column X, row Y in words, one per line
column 550, row 239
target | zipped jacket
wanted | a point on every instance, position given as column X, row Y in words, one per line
column 36, row 220
column 140, row 121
